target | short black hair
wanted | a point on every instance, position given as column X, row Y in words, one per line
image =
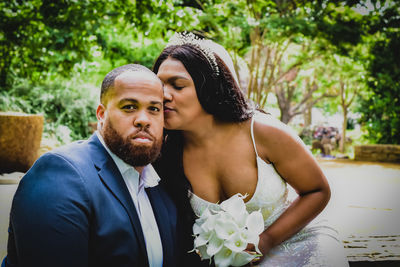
column 109, row 80
column 218, row 94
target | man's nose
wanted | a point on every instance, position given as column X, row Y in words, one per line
column 142, row 120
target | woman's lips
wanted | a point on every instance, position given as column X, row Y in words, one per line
column 168, row 110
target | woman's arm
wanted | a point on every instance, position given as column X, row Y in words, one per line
column 276, row 143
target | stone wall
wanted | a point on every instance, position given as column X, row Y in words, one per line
column 383, row 153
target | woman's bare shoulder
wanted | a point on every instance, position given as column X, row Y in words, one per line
column 265, row 125
column 273, row 136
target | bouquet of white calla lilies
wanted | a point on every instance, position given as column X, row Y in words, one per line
column 223, row 234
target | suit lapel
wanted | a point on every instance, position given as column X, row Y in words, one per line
column 164, row 226
column 112, row 179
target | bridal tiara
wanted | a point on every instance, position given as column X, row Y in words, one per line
column 202, row 44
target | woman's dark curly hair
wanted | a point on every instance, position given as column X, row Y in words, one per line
column 219, row 95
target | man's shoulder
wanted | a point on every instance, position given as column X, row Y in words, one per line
column 71, row 152
column 78, row 154
column 65, row 164
column 75, row 147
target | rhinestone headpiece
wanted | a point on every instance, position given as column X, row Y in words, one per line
column 201, row 44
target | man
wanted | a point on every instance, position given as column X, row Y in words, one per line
column 97, row 202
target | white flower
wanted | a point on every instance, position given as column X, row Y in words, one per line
column 214, row 245
column 225, row 227
column 242, row 258
column 224, row 257
column 255, row 222
column 203, row 238
column 202, row 250
column 236, row 243
column 235, row 207
column 210, row 222
column 223, row 234
column 254, row 226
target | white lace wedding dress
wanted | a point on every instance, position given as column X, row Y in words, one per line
column 315, row 245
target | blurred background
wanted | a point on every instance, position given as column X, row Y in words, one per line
column 329, row 64
column 329, row 69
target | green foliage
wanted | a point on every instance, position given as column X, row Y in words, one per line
column 38, row 37
column 62, row 104
column 120, row 48
column 380, row 107
column 41, row 36
column 52, row 40
column 75, row 41
column 341, row 26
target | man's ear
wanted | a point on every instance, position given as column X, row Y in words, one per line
column 101, row 114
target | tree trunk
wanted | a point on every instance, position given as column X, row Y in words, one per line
column 307, row 116
column 285, row 116
column 344, row 126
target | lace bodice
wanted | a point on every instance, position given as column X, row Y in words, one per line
column 270, row 195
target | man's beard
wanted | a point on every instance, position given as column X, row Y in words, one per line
column 134, row 155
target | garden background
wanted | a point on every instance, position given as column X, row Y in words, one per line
column 295, row 58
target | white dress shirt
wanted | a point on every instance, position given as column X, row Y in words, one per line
column 136, row 184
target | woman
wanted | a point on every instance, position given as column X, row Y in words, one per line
column 218, row 146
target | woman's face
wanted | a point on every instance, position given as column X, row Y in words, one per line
column 181, row 105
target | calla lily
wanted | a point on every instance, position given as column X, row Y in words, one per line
column 224, row 257
column 203, row 238
column 206, row 213
column 255, row 226
column 209, row 224
column 255, row 223
column 241, row 219
column 225, row 228
column 234, row 205
column 249, row 237
column 197, row 228
column 236, row 208
column 214, row 245
column 242, row 258
column 223, row 232
column 236, row 243
column 202, row 251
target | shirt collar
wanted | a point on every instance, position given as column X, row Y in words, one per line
column 149, row 177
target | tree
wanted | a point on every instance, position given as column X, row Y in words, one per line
column 381, row 106
column 38, row 37
column 263, row 33
column 307, row 82
column 47, row 48
column 351, row 79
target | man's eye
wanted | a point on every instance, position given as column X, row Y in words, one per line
column 155, row 109
column 129, row 107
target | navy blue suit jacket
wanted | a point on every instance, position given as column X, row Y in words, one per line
column 72, row 208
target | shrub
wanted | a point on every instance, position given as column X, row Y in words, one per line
column 62, row 104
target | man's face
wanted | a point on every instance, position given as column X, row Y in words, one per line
column 131, row 118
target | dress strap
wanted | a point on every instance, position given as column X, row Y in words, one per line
column 252, row 134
